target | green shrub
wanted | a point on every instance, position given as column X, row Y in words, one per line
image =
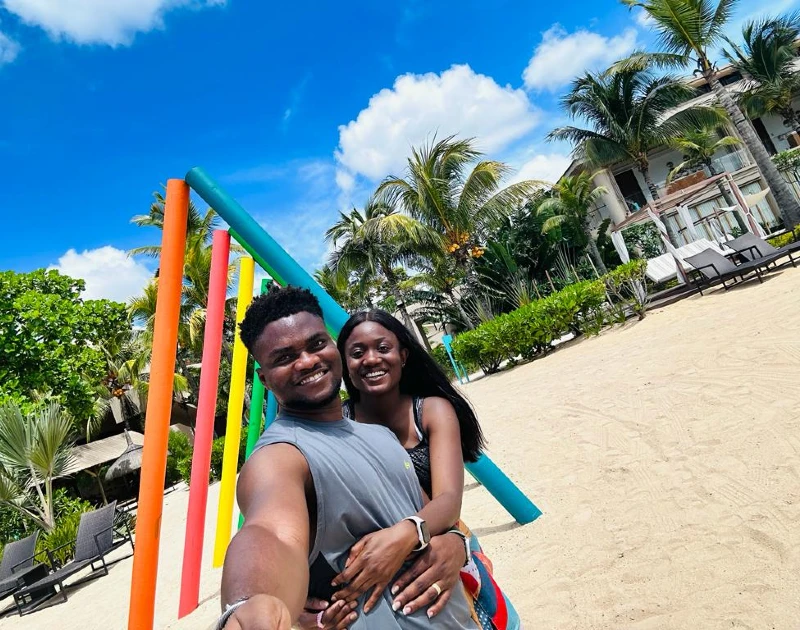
column 784, row 239
column 179, row 450
column 627, row 283
column 65, row 533
column 217, row 451
column 531, row 329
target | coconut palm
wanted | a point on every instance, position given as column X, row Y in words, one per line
column 574, row 197
column 698, row 147
column 439, row 289
column 450, row 191
column 198, row 225
column 688, row 30
column 767, row 61
column 374, row 242
column 352, row 296
column 628, row 111
column 34, row 450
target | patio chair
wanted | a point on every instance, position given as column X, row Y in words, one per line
column 95, row 540
column 17, row 562
column 750, row 247
column 711, row 266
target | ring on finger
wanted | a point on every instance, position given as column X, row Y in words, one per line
column 435, row 586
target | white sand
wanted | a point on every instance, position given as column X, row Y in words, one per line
column 665, row 456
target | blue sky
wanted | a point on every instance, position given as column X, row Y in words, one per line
column 298, row 108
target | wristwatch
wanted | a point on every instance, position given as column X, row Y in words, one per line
column 463, row 536
column 423, row 534
column 229, row 610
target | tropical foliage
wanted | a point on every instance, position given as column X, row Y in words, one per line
column 35, row 448
column 630, row 112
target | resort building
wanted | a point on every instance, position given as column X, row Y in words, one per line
column 627, row 194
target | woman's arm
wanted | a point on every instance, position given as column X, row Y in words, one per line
column 440, row 424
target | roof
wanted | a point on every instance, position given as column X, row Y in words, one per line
column 100, row 451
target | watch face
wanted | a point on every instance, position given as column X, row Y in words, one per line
column 425, row 532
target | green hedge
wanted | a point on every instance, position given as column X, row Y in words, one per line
column 528, row 332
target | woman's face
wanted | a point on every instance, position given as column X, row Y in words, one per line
column 374, row 359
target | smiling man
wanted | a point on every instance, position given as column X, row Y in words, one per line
column 317, row 483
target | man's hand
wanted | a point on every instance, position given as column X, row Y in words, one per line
column 337, row 616
column 440, row 564
column 260, row 612
column 374, row 561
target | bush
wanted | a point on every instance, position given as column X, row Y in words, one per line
column 180, row 452
column 784, row 239
column 531, row 330
column 65, row 533
column 217, row 451
column 627, row 283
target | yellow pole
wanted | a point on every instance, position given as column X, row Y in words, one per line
column 233, row 431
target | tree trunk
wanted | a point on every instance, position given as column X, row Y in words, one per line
column 788, row 206
column 398, row 298
column 594, row 252
column 457, row 303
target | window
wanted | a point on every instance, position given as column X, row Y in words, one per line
column 707, row 213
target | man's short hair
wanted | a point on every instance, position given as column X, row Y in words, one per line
column 272, row 306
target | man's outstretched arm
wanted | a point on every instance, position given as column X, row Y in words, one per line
column 267, row 560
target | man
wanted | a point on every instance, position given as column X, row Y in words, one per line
column 316, row 483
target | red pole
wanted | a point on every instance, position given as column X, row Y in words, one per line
column 159, row 407
column 204, row 430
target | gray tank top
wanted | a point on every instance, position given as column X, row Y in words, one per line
column 364, row 481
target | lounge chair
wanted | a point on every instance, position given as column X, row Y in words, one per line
column 16, row 564
column 750, row 247
column 95, row 540
column 713, row 266
column 663, row 268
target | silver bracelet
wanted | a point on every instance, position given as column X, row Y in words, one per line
column 229, row 610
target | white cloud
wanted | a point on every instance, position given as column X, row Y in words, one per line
column 457, row 101
column 643, row 19
column 344, row 180
column 9, row 49
column 547, row 167
column 112, row 22
column 561, row 56
column 109, row 273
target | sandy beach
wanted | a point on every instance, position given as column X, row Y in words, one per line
column 665, row 455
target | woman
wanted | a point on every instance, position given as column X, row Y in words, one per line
column 391, row 380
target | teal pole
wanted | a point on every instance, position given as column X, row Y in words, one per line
column 249, row 231
column 503, row 489
column 272, row 410
column 263, row 247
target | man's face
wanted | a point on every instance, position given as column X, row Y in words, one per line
column 299, row 362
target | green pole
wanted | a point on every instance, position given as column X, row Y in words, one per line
column 256, row 406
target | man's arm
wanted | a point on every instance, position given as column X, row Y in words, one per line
column 269, row 555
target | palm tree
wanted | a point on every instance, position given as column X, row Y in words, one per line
column 767, row 62
column 462, row 204
column 374, row 242
column 352, row 296
column 688, row 30
column 34, row 450
column 574, row 196
column 628, row 114
column 699, row 146
column 200, row 226
column 440, row 291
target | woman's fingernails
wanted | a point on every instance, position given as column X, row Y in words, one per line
column 395, row 589
column 407, row 610
column 353, row 605
column 396, row 606
column 353, row 617
column 430, row 614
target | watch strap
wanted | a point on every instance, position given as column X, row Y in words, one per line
column 229, row 610
column 465, row 538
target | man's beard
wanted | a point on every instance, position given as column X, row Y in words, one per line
column 304, row 404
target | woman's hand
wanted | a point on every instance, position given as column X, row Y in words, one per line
column 374, row 561
column 440, row 564
column 337, row 616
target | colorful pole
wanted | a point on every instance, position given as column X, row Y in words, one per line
column 503, row 489
column 282, row 266
column 204, row 430
column 256, row 406
column 286, row 270
column 272, row 410
column 159, row 407
column 233, row 426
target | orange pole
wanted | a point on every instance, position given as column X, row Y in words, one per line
column 159, row 407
